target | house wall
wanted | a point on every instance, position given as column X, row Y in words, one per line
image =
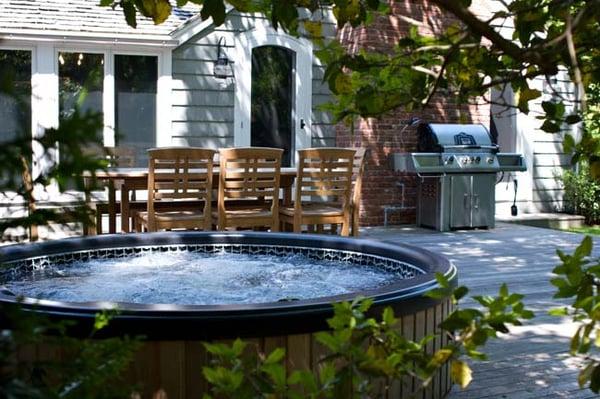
column 384, row 190
column 203, row 106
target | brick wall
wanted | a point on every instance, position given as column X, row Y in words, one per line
column 382, row 186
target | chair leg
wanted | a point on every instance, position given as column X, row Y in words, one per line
column 345, row 228
column 297, row 226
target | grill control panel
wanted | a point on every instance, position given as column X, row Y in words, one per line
column 455, row 162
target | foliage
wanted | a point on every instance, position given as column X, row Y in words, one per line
column 582, row 194
column 463, row 60
column 89, row 368
column 577, row 277
column 366, row 355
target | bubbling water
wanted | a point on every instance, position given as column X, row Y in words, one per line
column 187, row 278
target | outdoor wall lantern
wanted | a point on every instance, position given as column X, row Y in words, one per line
column 222, row 68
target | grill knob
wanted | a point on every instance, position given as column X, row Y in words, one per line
column 477, row 159
column 490, row 160
column 450, row 159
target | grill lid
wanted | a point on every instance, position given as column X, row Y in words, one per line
column 442, row 137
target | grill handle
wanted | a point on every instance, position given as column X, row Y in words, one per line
column 492, row 148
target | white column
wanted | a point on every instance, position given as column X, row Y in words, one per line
column 108, row 100
column 164, row 100
column 44, row 107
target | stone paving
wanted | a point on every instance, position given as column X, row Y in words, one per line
column 532, row 361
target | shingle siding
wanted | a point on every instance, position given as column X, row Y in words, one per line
column 203, row 107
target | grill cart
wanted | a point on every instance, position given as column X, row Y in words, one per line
column 457, row 167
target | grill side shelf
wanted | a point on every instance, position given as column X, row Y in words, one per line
column 510, row 162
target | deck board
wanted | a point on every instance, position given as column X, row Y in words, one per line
column 532, row 361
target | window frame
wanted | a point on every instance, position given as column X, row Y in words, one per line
column 264, row 35
column 163, row 88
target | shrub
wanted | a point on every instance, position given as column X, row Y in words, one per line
column 582, row 194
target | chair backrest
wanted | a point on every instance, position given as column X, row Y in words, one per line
column 180, row 173
column 324, row 172
column 251, row 172
column 358, row 169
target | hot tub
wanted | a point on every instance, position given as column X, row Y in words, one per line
column 172, row 357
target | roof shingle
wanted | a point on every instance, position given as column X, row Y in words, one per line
column 84, row 16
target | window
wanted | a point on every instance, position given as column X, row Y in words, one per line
column 15, row 105
column 135, row 103
column 81, row 77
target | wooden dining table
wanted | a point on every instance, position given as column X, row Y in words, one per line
column 127, row 180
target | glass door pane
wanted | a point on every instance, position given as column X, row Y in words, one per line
column 80, row 86
column 272, row 99
column 135, row 103
column 15, row 96
column 15, row 105
column 81, row 82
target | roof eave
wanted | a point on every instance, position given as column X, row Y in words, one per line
column 88, row 38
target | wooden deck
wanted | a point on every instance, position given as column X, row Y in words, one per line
column 532, row 361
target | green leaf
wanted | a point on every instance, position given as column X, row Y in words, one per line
column 549, row 108
column 129, row 11
column 585, row 248
column 162, row 11
column 585, row 375
column 568, row 144
column 550, row 127
column 214, row 9
column 106, row 3
column 573, row 119
column 526, row 95
column 460, row 292
column 276, row 356
column 595, row 380
column 461, row 373
column 503, row 290
column 559, row 312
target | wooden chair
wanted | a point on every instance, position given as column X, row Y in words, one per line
column 324, row 172
column 178, row 175
column 248, row 188
column 117, row 157
column 358, row 169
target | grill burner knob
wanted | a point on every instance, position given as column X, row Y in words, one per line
column 490, row 160
column 449, row 160
column 477, row 159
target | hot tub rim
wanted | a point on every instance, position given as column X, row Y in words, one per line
column 405, row 291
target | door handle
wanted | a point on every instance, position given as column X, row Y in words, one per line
column 302, row 123
column 476, row 202
column 466, row 201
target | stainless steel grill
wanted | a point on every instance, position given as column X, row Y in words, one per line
column 457, row 166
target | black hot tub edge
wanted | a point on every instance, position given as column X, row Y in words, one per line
column 228, row 321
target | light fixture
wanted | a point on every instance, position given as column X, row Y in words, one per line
column 222, row 67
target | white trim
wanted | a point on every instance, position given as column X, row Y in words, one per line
column 164, row 99
column 108, row 101
column 163, row 88
column 193, row 26
column 264, row 35
column 105, row 39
